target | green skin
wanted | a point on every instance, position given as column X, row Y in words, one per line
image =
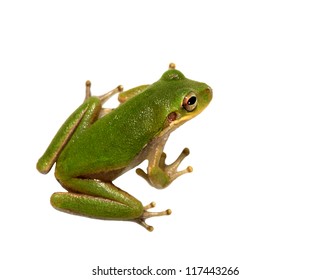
column 96, row 145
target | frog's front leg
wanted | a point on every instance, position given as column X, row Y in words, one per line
column 101, row 200
column 159, row 174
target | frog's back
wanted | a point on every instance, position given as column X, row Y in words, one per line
column 113, row 141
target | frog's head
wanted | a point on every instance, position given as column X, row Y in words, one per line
column 188, row 98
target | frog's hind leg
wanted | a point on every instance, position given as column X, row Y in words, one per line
column 77, row 122
column 128, row 94
column 122, row 97
column 102, row 200
column 103, row 98
column 85, row 115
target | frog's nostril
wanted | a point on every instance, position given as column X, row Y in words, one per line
column 209, row 90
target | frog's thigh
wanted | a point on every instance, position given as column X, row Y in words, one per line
column 96, row 199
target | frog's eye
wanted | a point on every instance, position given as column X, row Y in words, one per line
column 190, row 102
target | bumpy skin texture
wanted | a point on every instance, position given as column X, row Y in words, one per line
column 122, row 134
column 90, row 151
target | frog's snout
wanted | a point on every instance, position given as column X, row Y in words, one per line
column 209, row 93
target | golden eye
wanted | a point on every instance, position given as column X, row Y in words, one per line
column 190, row 102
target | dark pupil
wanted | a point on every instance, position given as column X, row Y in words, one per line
column 192, row 100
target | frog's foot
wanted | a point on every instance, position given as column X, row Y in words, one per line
column 146, row 214
column 104, row 97
column 164, row 174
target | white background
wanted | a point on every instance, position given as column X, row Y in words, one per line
column 259, row 196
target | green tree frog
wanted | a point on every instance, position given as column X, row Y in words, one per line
column 95, row 145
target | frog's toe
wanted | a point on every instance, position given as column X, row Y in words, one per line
column 149, row 206
column 146, row 214
column 180, row 158
column 103, row 98
column 146, row 226
column 171, row 169
column 142, row 174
